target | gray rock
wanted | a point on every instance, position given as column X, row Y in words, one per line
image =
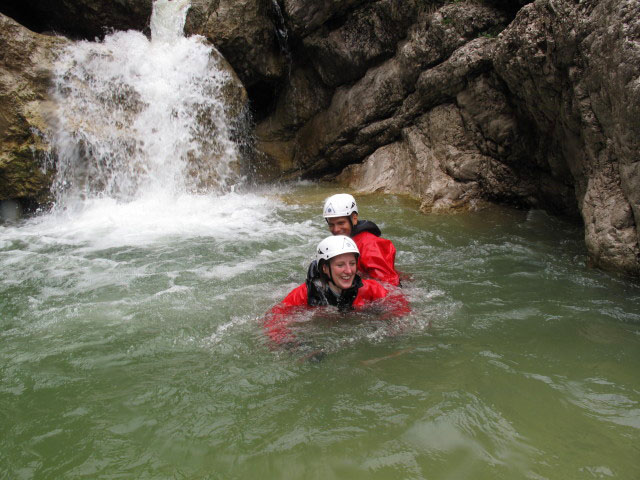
column 454, row 103
column 307, row 16
column 368, row 36
column 546, row 112
column 573, row 69
column 27, row 162
column 79, row 18
column 435, row 161
column 303, row 97
column 244, row 31
column 25, row 61
column 388, row 91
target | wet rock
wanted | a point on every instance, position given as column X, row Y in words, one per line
column 573, row 69
column 366, row 37
column 436, row 161
column 305, row 17
column 245, row 32
column 546, row 111
column 388, row 84
column 390, row 169
column 303, row 97
column 25, row 61
column 452, row 102
column 79, row 18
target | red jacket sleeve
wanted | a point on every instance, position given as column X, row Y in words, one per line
column 276, row 322
column 377, row 258
column 395, row 302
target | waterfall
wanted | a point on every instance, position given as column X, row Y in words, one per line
column 281, row 32
column 138, row 117
column 167, row 20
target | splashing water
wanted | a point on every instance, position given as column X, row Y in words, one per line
column 167, row 20
column 130, row 335
column 139, row 118
column 131, row 346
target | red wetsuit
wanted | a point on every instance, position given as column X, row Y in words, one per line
column 277, row 321
column 377, row 254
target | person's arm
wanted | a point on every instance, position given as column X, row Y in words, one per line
column 394, row 302
column 276, row 322
column 377, row 259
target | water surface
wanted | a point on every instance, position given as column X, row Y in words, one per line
column 131, row 346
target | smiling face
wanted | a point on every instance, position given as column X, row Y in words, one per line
column 343, row 270
column 341, row 225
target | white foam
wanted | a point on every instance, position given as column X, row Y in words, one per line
column 224, row 329
column 106, row 222
column 172, row 290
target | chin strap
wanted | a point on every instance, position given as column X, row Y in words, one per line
column 330, row 276
column 330, row 273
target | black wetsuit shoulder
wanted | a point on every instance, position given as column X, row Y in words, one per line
column 366, row 226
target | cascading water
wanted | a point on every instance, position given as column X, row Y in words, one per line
column 139, row 118
column 130, row 337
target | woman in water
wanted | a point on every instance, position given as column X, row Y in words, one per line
column 331, row 280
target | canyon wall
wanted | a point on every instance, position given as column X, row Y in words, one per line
column 453, row 102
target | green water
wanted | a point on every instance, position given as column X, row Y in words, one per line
column 131, row 347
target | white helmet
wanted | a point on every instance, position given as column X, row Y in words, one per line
column 335, row 245
column 340, row 205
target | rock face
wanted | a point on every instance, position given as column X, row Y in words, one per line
column 25, row 60
column 28, row 162
column 540, row 110
column 574, row 70
column 453, row 102
column 404, row 82
column 245, row 32
column 79, row 18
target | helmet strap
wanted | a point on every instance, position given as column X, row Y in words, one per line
column 328, row 264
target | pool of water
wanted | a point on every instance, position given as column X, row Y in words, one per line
column 131, row 347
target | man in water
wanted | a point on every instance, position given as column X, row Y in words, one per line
column 377, row 254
